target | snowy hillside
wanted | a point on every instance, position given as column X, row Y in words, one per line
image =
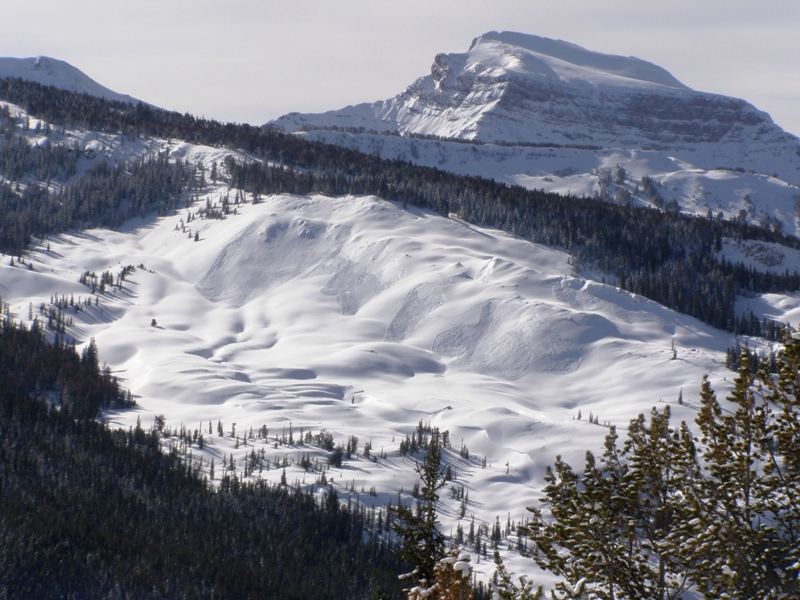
column 356, row 316
column 586, row 112
column 764, row 199
column 51, row 71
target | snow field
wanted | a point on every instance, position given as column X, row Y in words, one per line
column 352, row 315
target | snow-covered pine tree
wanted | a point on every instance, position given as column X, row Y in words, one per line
column 747, row 524
column 660, row 467
column 734, row 531
column 782, row 471
column 503, row 586
column 451, row 580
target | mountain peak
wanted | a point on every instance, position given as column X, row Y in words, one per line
column 52, row 71
column 519, row 88
column 563, row 55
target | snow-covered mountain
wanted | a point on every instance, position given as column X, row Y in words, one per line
column 584, row 112
column 355, row 315
column 51, row 71
column 517, row 88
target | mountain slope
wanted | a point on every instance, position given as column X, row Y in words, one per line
column 345, row 312
column 51, row 71
column 518, row 88
column 353, row 315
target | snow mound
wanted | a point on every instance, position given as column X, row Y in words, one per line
column 271, row 253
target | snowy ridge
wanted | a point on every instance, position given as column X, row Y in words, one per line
column 51, row 71
column 569, row 61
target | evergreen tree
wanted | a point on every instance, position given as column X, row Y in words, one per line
column 422, row 544
column 719, row 513
column 589, row 539
column 451, row 580
column 746, row 535
column 504, row 588
column 660, row 467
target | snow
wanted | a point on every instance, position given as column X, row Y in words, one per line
column 762, row 256
column 51, row 71
column 520, row 88
column 570, row 61
column 354, row 315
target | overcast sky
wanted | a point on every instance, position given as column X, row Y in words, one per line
column 253, row 60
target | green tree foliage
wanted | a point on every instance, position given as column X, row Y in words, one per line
column 660, row 464
column 747, row 537
column 29, row 365
column 591, row 523
column 422, row 544
column 503, row 586
column 719, row 512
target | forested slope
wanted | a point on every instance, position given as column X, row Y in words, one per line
column 87, row 512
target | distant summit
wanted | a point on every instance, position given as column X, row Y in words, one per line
column 51, row 71
column 518, row 88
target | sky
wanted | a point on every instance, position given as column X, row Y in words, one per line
column 254, row 60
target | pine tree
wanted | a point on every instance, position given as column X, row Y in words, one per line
column 422, row 544
column 748, row 520
column 660, row 467
column 782, row 471
column 451, row 580
column 504, row 588
column 733, row 508
column 719, row 512
column 589, row 539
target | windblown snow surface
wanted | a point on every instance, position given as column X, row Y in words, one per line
column 353, row 315
column 356, row 316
